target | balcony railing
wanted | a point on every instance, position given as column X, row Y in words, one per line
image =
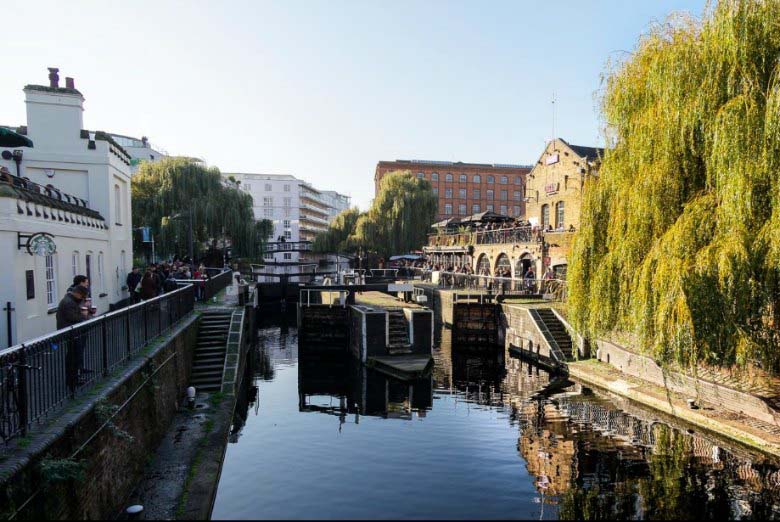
column 524, row 234
column 38, row 376
column 548, row 289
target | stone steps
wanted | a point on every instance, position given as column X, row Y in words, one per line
column 209, row 361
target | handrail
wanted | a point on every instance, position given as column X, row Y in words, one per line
column 343, row 295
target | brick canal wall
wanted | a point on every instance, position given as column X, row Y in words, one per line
column 86, row 462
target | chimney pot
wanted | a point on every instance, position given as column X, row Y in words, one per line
column 54, row 77
column 69, row 84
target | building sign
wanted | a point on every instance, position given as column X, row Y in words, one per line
column 551, row 188
column 552, row 159
column 41, row 244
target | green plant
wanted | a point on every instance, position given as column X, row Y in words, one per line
column 105, row 413
column 61, row 470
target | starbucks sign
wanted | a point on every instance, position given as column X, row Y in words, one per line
column 41, row 244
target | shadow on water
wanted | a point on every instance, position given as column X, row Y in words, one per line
column 573, row 452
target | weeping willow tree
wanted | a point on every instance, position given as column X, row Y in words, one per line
column 680, row 236
column 399, row 218
column 397, row 222
column 167, row 191
column 336, row 237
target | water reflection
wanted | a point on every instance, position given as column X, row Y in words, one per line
column 493, row 437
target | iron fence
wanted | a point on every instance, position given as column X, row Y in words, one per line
column 207, row 288
column 36, row 377
column 550, row 289
column 523, row 234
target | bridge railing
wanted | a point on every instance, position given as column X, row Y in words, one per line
column 210, row 287
column 39, row 375
column 339, row 296
column 549, row 289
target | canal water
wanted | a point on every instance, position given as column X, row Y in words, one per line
column 485, row 436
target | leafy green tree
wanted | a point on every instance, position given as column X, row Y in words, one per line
column 166, row 192
column 680, row 236
column 336, row 238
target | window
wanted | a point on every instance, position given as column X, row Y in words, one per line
column 269, row 256
column 247, row 187
column 504, row 195
column 504, row 180
column 518, row 180
column 288, row 234
column 74, row 260
column 559, row 214
column 476, row 194
column 117, row 205
column 503, row 210
column 448, row 209
column 51, row 282
column 286, row 223
column 477, row 178
column 268, row 187
column 462, row 209
column 490, row 179
column 516, row 195
column 545, row 215
column 268, row 212
column 462, row 178
column 88, row 266
column 121, row 271
column 287, row 187
column 434, row 176
column 489, row 208
column 435, row 191
column 448, row 193
column 286, row 212
column 516, row 210
column 462, row 193
column 287, row 256
column 287, row 202
column 268, row 202
column 475, row 208
column 420, row 175
column 101, row 274
column 490, row 194
column 448, row 177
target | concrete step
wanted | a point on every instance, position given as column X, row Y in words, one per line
column 208, row 358
column 204, row 367
column 210, row 349
column 209, row 387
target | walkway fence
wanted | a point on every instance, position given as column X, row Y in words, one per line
column 38, row 376
column 211, row 286
column 549, row 289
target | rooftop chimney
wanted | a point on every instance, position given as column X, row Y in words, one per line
column 54, row 77
column 69, row 84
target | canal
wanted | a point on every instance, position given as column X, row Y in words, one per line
column 485, row 436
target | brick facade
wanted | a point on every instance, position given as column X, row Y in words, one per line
column 467, row 188
column 556, row 183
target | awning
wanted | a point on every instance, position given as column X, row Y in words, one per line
column 449, row 222
column 9, row 138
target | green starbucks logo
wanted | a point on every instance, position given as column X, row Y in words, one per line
column 41, row 244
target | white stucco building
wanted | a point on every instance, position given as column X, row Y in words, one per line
column 298, row 212
column 71, row 189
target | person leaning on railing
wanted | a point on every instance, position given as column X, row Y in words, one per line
column 71, row 311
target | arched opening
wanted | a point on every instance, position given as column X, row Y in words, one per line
column 483, row 265
column 503, row 266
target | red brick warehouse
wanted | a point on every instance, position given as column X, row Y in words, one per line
column 467, row 188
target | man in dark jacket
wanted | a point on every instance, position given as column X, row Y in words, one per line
column 71, row 311
column 133, row 278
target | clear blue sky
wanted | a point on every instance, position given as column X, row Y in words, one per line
column 324, row 89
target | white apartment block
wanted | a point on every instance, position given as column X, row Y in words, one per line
column 298, row 212
column 140, row 150
column 64, row 210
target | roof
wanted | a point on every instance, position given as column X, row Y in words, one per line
column 49, row 196
column 486, row 217
column 57, row 90
column 263, row 176
column 589, row 153
column 460, row 164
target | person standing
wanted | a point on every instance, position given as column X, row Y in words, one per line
column 149, row 286
column 133, row 278
column 530, row 277
column 71, row 311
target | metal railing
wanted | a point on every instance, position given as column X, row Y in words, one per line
column 38, row 376
column 549, row 289
column 523, row 234
column 321, row 295
column 207, row 288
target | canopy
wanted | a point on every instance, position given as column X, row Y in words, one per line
column 9, row 138
column 449, row 222
column 411, row 257
column 486, row 217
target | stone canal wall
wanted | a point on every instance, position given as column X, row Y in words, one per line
column 645, row 368
column 523, row 336
column 85, row 464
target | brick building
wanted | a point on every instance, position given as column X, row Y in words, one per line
column 556, row 183
column 467, row 188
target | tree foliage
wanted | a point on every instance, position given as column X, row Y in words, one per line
column 398, row 221
column 175, row 187
column 336, row 238
column 680, row 235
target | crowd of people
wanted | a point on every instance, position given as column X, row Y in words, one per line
column 509, row 231
column 158, row 279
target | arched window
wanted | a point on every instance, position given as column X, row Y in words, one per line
column 434, row 176
column 490, row 179
column 74, row 261
column 477, row 178
column 462, row 178
column 545, row 215
column 503, row 266
column 483, row 265
column 559, row 214
column 448, row 177
column 420, row 175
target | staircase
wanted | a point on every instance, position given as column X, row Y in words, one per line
column 398, row 341
column 557, row 330
column 210, row 351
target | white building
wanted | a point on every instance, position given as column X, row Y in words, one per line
column 338, row 203
column 140, row 150
column 298, row 212
column 72, row 191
